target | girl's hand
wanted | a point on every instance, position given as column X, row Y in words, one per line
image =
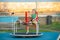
column 33, row 19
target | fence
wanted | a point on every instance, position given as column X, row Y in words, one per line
column 6, row 21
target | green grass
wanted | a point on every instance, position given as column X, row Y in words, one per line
column 24, row 31
column 54, row 26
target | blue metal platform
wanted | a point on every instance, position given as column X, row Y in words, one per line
column 45, row 36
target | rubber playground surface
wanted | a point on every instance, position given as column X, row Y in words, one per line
column 45, row 36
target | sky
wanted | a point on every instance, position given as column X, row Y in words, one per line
column 29, row 0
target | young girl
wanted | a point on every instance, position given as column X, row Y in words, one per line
column 34, row 20
column 34, row 16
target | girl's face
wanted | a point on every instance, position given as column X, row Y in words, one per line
column 33, row 11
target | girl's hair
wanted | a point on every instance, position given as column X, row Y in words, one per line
column 34, row 10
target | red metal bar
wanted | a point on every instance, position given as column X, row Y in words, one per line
column 26, row 17
column 26, row 21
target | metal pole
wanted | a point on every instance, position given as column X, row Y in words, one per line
column 37, row 27
column 16, row 27
column 13, row 27
column 36, row 4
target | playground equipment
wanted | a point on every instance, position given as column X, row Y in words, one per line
column 26, row 34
